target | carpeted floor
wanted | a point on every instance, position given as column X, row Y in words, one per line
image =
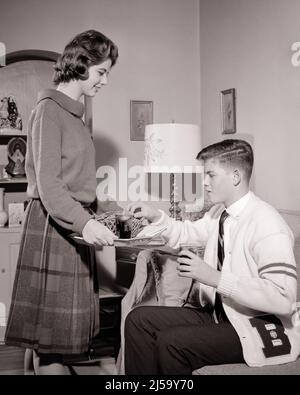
column 11, row 360
column 11, row 363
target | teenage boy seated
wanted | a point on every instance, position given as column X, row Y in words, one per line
column 247, row 281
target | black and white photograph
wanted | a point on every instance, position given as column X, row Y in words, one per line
column 141, row 114
column 149, row 198
column 228, row 108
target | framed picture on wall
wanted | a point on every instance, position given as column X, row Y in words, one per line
column 228, row 111
column 141, row 114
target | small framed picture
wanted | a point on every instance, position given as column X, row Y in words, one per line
column 228, row 110
column 141, row 114
column 15, row 214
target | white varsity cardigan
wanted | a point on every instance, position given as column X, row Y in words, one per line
column 258, row 283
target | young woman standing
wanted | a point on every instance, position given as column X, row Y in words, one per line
column 54, row 309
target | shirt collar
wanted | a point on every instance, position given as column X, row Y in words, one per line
column 73, row 106
column 235, row 209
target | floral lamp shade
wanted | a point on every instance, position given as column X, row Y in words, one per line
column 172, row 148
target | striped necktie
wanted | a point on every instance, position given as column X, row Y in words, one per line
column 219, row 310
column 221, row 253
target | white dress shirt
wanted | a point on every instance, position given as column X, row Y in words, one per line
column 234, row 211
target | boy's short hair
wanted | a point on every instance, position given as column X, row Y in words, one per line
column 234, row 153
column 86, row 49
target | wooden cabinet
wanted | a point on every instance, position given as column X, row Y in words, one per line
column 9, row 247
column 23, row 76
column 125, row 265
column 116, row 267
column 25, row 73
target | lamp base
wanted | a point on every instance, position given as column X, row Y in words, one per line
column 175, row 210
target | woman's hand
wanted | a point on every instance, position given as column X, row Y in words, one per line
column 142, row 210
column 97, row 234
column 191, row 265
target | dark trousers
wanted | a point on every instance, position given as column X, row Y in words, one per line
column 176, row 341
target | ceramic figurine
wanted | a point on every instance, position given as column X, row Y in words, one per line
column 16, row 150
column 9, row 114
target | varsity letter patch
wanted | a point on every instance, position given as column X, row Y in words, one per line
column 271, row 331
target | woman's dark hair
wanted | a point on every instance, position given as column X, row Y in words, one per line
column 86, row 49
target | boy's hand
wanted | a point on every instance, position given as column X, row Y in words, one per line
column 97, row 234
column 142, row 210
column 191, row 265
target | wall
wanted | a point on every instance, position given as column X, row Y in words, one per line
column 159, row 58
column 247, row 45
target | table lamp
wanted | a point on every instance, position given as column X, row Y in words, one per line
column 172, row 148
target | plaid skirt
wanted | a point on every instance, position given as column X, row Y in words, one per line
column 55, row 301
